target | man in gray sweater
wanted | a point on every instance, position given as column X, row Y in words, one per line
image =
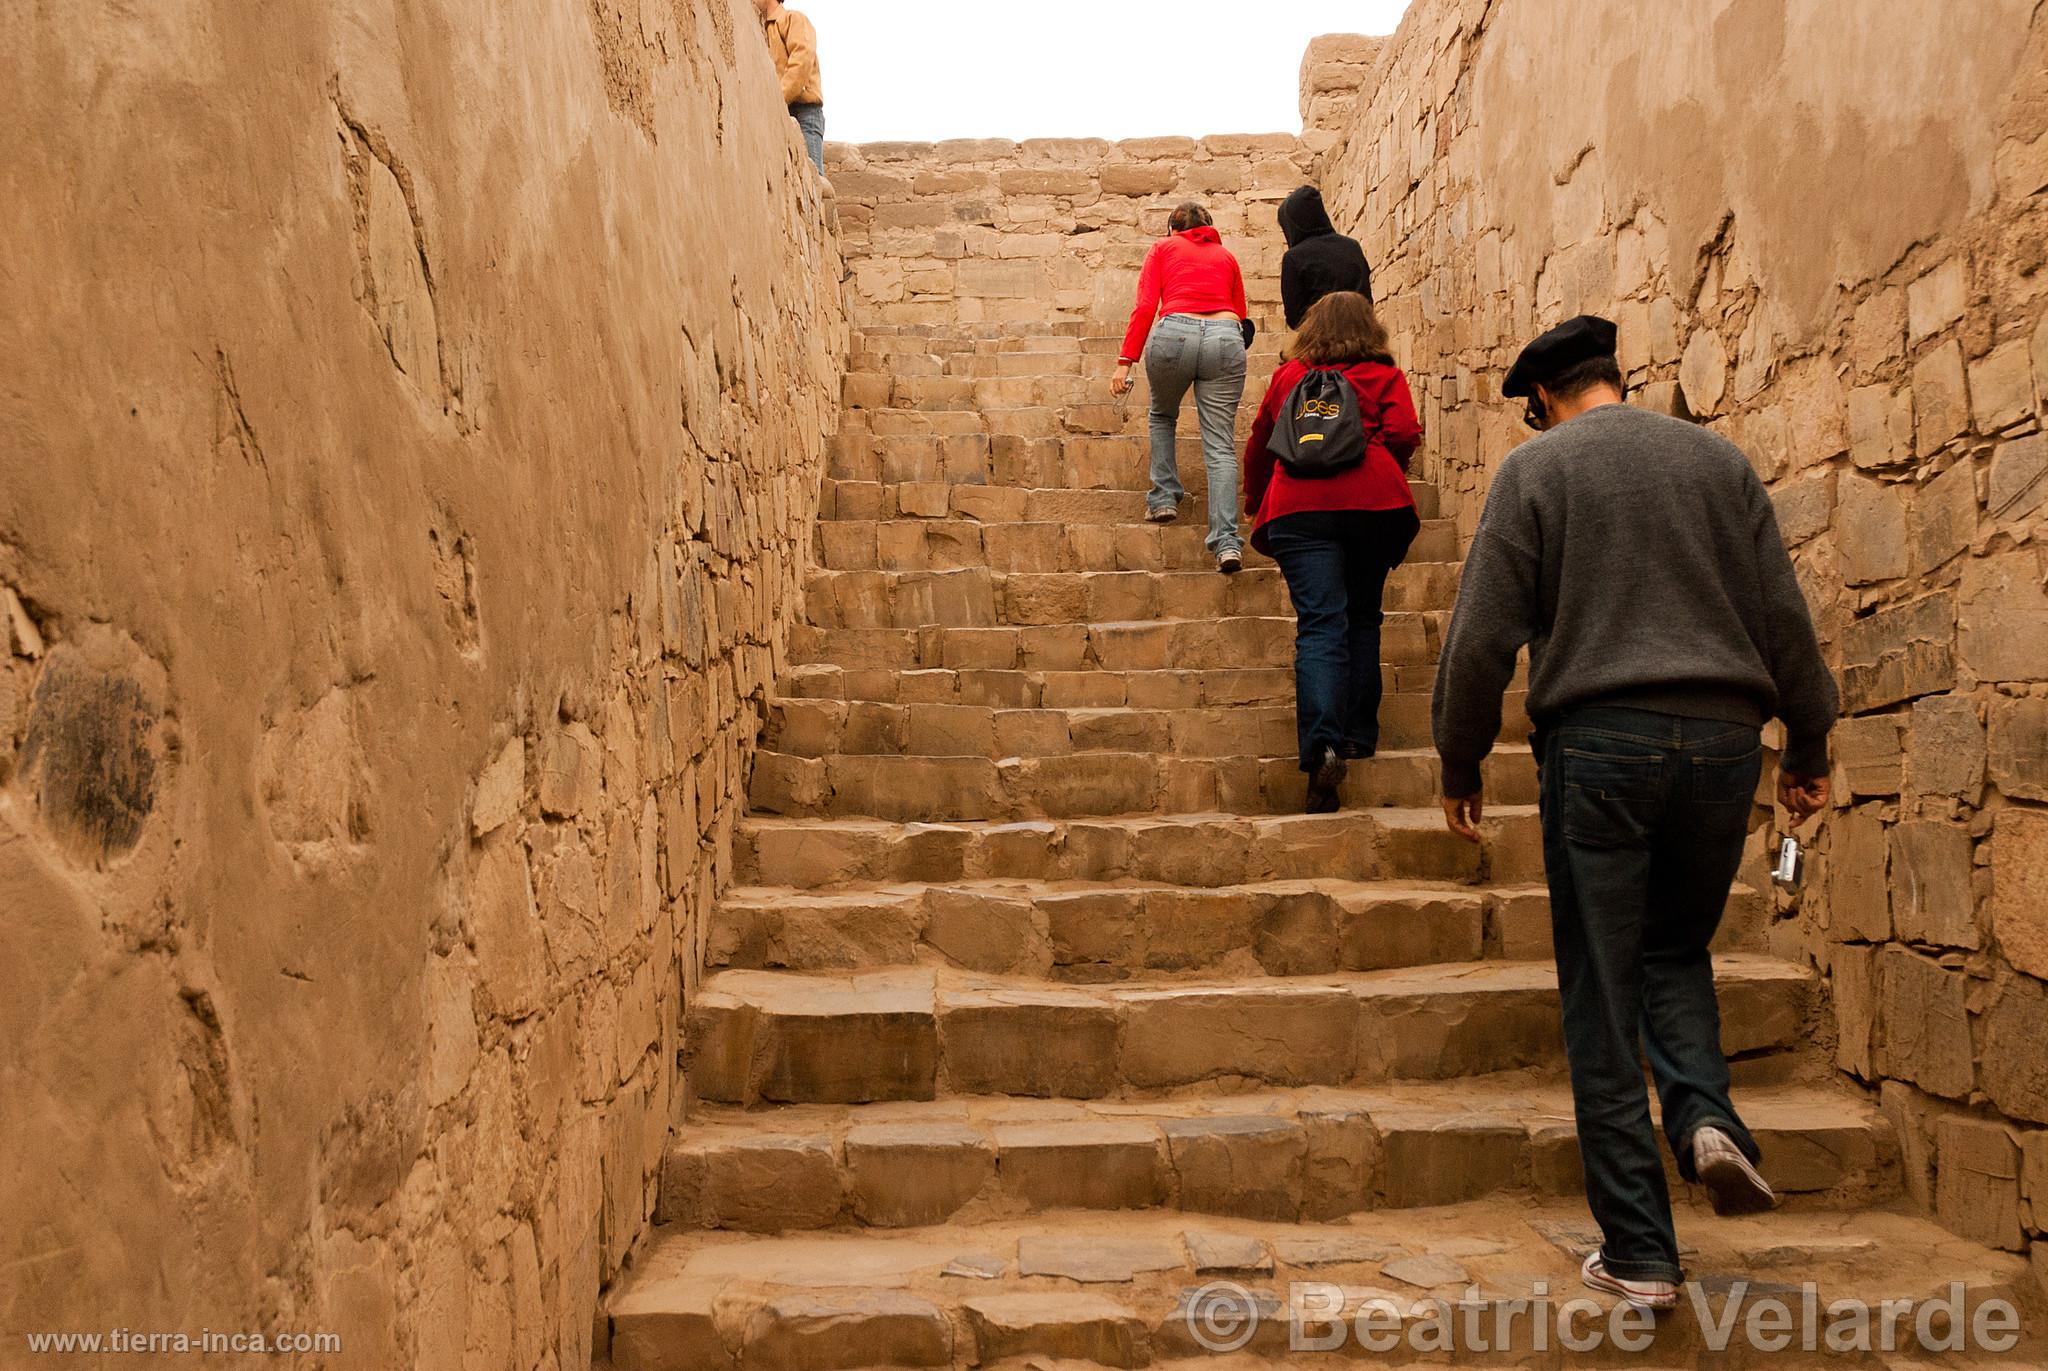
column 1638, row 558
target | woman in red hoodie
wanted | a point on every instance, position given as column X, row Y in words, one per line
column 1337, row 535
column 1193, row 286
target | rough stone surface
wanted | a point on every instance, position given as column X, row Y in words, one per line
column 492, row 434
column 2019, row 890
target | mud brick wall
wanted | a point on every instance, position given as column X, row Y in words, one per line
column 407, row 477
column 1836, row 253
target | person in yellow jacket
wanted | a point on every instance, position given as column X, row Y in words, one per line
column 793, row 43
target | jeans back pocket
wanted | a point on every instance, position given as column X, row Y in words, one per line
column 1726, row 780
column 1611, row 796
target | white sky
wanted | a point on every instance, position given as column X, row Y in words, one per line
column 931, row 69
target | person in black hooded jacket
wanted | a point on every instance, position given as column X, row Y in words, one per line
column 1320, row 261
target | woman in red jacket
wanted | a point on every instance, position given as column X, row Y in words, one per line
column 1193, row 286
column 1336, row 536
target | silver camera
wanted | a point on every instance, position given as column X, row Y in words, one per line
column 1791, row 866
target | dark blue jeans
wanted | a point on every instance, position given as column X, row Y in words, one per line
column 1644, row 817
column 1336, row 564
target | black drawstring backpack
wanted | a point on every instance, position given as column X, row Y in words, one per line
column 1319, row 432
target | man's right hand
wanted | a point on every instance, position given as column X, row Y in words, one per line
column 1802, row 796
column 1464, row 813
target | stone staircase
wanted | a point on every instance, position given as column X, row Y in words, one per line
column 1039, row 1006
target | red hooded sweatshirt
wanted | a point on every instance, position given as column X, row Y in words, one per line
column 1190, row 272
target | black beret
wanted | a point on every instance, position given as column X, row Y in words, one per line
column 1570, row 343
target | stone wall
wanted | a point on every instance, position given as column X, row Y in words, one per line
column 407, row 475
column 986, row 231
column 1828, row 241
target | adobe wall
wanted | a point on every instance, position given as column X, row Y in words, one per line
column 1828, row 241
column 407, row 476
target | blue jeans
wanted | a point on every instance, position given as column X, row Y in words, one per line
column 1336, row 564
column 811, row 120
column 1644, row 817
column 1207, row 354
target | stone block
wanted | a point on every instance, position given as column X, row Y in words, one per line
column 1977, row 1181
column 1703, row 373
column 2034, row 1179
column 1250, row 1166
column 572, row 772
column 1941, row 403
column 1943, row 518
column 2018, row 747
column 1341, row 1171
column 1936, row 299
column 1854, row 985
column 1098, row 1164
column 1432, row 1159
column 1092, row 1259
column 1932, row 898
column 1859, row 896
column 1292, row 1037
column 2019, row 478
column 1139, row 178
column 1945, row 749
column 2019, row 888
column 2002, row 387
column 907, row 1175
column 1923, row 1023
column 981, row 931
column 1870, row 755
column 1880, row 427
column 1048, row 1043
column 2012, row 1068
column 2004, row 622
column 1086, row 1328
column 804, row 1331
column 1806, row 507
column 500, row 788
column 1870, row 530
column 1045, row 181
column 1899, row 653
column 666, row 1325
column 759, row 1184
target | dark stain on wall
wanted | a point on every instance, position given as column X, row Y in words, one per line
column 91, row 755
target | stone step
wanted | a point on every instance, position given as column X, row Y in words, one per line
column 1025, row 449
column 771, row 1037
column 1088, row 933
column 900, row 545
column 814, row 727
column 1079, row 1289
column 1087, row 689
column 1317, row 1154
column 1437, row 542
column 928, row 788
column 1232, row 643
column 1083, row 932
column 1179, row 849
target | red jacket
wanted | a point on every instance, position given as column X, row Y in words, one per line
column 1188, row 273
column 1379, row 482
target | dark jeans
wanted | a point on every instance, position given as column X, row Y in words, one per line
column 1644, row 817
column 1336, row 564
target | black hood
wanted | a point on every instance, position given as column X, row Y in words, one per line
column 1303, row 217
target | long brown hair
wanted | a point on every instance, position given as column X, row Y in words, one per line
column 1341, row 328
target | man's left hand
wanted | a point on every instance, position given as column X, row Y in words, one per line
column 1464, row 814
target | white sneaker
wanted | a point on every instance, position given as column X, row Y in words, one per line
column 1734, row 1186
column 1641, row 1294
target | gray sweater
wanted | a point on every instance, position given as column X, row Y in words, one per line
column 1639, row 559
